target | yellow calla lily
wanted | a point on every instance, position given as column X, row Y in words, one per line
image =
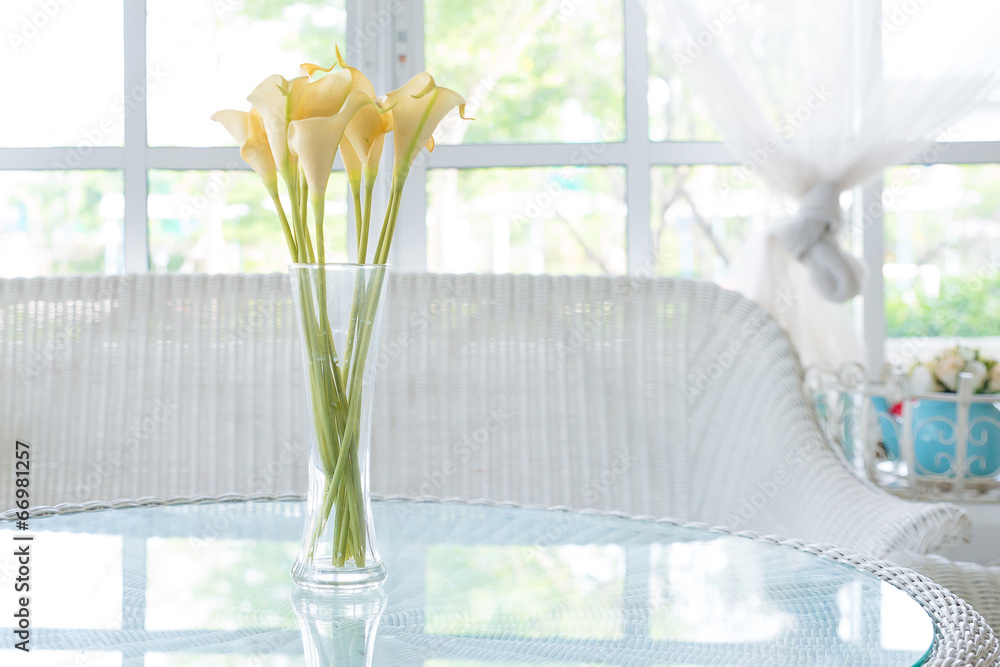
column 248, row 131
column 326, row 96
column 281, row 101
column 275, row 98
column 367, row 135
column 417, row 108
column 369, row 123
column 352, row 163
column 308, row 69
column 314, row 141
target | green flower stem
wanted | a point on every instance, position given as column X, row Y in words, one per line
column 338, row 384
column 356, row 523
column 359, row 292
column 366, row 222
column 343, row 527
column 351, row 528
column 321, row 415
column 356, row 379
column 303, row 208
column 361, row 534
column 358, row 215
column 326, row 445
column 356, row 355
column 319, row 209
column 324, row 513
column 327, row 392
column 289, row 239
column 337, row 414
column 298, row 224
column 388, row 224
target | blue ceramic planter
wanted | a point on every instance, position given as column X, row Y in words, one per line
column 934, row 424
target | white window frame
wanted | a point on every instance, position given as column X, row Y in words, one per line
column 391, row 55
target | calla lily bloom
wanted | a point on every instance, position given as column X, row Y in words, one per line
column 367, row 136
column 315, row 141
column 248, row 131
column 367, row 132
column 326, row 96
column 348, row 78
column 298, row 125
column 352, row 163
column 417, row 108
column 275, row 98
column 281, row 102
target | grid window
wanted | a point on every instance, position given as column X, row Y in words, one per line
column 590, row 154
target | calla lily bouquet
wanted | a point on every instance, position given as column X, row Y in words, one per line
column 296, row 128
column 294, row 131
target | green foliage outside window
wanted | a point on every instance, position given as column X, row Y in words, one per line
column 966, row 306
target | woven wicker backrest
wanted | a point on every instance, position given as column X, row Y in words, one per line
column 587, row 392
column 150, row 386
column 649, row 396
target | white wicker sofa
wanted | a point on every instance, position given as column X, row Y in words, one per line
column 656, row 397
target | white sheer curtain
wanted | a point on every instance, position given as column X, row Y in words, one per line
column 818, row 96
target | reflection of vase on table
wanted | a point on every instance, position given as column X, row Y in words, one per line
column 338, row 627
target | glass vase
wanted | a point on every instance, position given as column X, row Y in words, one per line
column 339, row 310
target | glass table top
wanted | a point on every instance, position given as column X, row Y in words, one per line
column 467, row 584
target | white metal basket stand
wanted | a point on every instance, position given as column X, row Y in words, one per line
column 926, row 446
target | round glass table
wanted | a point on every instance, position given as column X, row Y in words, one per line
column 468, row 584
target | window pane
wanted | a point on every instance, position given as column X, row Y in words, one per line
column 224, row 222
column 59, row 222
column 65, row 59
column 942, row 258
column 210, row 55
column 981, row 124
column 963, row 33
column 675, row 112
column 539, row 220
column 531, row 71
column 702, row 215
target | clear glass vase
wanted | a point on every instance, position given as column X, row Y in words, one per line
column 339, row 311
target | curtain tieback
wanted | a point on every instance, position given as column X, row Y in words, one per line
column 810, row 235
